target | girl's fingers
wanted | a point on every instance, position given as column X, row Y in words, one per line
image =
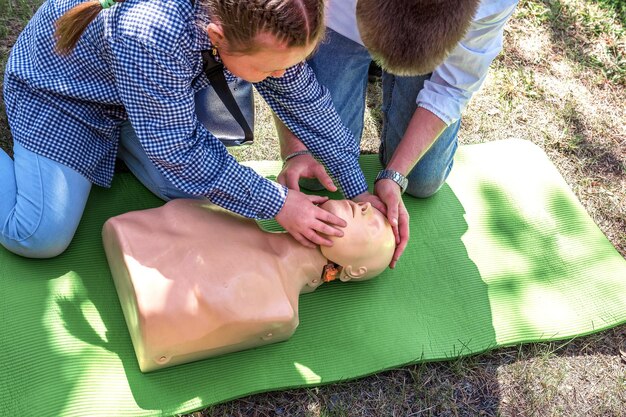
column 326, row 229
column 304, row 241
column 330, row 218
column 317, row 199
column 312, row 236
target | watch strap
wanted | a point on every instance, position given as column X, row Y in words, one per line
column 395, row 176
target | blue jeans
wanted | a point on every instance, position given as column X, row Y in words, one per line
column 41, row 203
column 342, row 66
column 132, row 153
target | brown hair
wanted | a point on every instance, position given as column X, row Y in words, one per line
column 70, row 26
column 295, row 22
column 411, row 37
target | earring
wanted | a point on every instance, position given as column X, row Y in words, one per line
column 214, row 50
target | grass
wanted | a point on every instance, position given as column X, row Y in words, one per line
column 561, row 83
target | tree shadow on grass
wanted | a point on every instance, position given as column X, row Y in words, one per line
column 597, row 158
column 564, row 22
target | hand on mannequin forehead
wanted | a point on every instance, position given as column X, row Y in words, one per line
column 196, row 281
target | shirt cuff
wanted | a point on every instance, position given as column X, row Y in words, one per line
column 352, row 183
column 271, row 197
column 447, row 119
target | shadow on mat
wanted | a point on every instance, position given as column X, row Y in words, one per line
column 400, row 320
column 72, row 350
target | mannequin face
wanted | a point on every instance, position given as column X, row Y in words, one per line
column 367, row 245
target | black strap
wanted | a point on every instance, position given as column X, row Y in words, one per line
column 215, row 73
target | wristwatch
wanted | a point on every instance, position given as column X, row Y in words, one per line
column 395, row 176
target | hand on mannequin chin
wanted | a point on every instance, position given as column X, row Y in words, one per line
column 306, row 222
column 196, row 281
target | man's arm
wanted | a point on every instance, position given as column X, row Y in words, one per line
column 463, row 72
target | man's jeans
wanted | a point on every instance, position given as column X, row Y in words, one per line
column 342, row 66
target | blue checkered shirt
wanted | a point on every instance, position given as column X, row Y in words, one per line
column 140, row 61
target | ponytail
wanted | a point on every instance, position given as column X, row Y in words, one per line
column 70, row 26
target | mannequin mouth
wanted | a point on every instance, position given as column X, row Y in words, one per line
column 353, row 210
column 353, row 207
column 341, row 208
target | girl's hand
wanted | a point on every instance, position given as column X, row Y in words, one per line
column 304, row 220
column 389, row 192
column 304, row 166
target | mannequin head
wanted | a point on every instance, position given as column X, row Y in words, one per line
column 367, row 245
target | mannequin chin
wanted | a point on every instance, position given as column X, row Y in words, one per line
column 367, row 246
column 196, row 281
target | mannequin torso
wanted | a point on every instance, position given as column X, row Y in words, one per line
column 197, row 281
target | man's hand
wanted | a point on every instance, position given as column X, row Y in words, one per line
column 304, row 166
column 376, row 202
column 304, row 220
column 389, row 193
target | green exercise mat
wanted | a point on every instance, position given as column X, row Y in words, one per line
column 502, row 254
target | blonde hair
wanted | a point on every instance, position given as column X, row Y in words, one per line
column 412, row 37
column 295, row 22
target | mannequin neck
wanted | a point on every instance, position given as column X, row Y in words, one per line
column 300, row 267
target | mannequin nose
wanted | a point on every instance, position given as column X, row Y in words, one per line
column 365, row 207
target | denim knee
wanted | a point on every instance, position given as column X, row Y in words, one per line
column 34, row 244
column 41, row 204
column 425, row 180
column 424, row 187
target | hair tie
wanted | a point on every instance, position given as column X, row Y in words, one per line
column 107, row 3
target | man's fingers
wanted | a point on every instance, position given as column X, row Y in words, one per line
column 288, row 180
column 380, row 206
column 392, row 215
column 292, row 182
column 395, row 258
column 396, row 233
column 403, row 230
column 281, row 179
column 398, row 252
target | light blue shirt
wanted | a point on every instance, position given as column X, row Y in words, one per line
column 463, row 72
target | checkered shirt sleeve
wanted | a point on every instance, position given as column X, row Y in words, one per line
column 306, row 108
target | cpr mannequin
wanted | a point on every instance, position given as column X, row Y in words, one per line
column 196, row 281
